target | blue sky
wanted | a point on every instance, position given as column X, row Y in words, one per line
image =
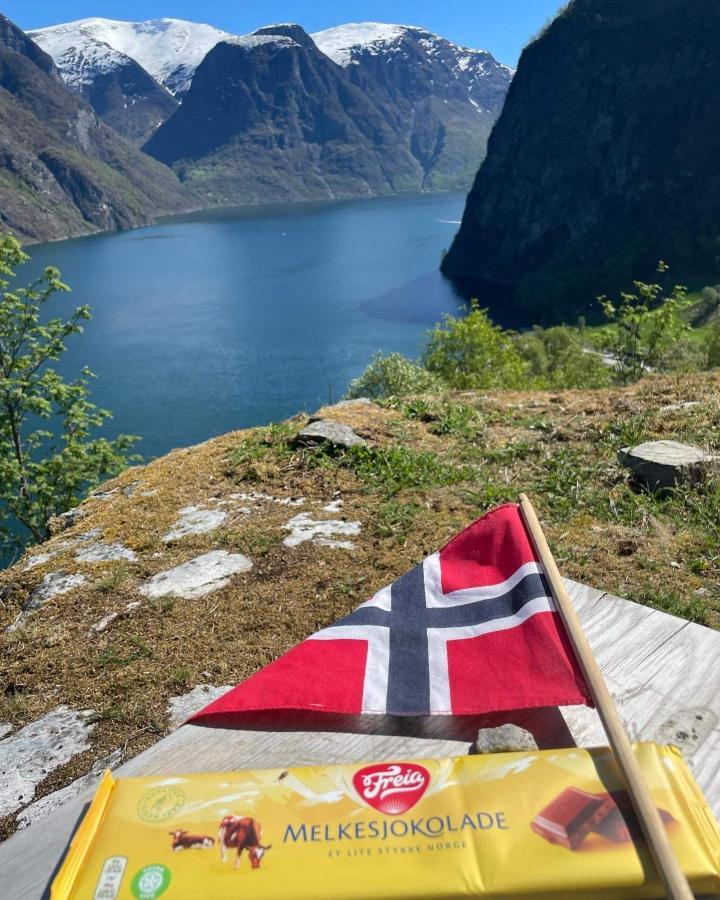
column 501, row 26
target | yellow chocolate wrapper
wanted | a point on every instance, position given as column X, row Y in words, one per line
column 552, row 823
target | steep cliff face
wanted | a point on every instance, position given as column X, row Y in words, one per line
column 62, row 170
column 603, row 161
column 270, row 117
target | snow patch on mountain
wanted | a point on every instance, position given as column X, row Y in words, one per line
column 169, row 49
column 250, row 41
column 78, row 56
column 346, row 44
column 341, row 42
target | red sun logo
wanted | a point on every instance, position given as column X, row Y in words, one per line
column 392, row 788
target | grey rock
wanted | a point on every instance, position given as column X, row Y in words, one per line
column 304, row 528
column 332, row 433
column 195, row 520
column 28, row 756
column 68, row 519
column 44, row 805
column 504, row 739
column 52, row 585
column 198, row 576
column 182, row 707
column 665, row 464
column 38, row 559
column 5, row 728
column 100, row 552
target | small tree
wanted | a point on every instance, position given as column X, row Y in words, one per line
column 472, row 353
column 393, row 376
column 44, row 472
column 647, row 324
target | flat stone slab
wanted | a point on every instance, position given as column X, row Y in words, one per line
column 665, row 464
column 28, row 756
column 181, row 708
column 49, row 802
column 52, row 585
column 39, row 559
column 304, row 528
column 198, row 577
column 101, row 552
column 195, row 520
column 332, row 433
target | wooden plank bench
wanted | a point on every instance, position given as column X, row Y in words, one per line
column 663, row 672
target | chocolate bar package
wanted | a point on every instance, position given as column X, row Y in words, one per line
column 553, row 823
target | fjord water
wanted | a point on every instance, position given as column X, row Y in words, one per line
column 225, row 319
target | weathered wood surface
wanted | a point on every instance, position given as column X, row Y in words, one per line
column 663, row 673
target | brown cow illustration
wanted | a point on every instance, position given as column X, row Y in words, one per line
column 242, row 834
column 183, row 840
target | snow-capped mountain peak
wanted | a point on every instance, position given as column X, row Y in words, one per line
column 414, row 56
column 79, row 57
column 342, row 42
column 169, row 49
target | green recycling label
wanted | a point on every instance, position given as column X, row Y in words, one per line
column 150, row 882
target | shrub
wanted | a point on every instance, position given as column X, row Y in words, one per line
column 647, row 324
column 558, row 358
column 44, row 471
column 393, row 376
column 471, row 352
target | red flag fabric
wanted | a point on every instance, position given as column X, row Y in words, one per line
column 471, row 630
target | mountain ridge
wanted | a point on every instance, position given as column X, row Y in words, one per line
column 271, row 117
column 317, row 129
column 62, row 170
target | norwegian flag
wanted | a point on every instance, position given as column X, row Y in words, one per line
column 471, row 630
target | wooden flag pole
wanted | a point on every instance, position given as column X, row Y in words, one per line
column 667, row 864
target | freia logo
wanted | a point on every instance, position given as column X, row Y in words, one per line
column 392, row 788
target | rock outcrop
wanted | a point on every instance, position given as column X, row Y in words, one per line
column 666, row 464
column 603, row 161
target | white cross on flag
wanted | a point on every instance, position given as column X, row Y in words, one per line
column 473, row 629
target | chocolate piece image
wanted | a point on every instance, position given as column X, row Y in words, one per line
column 620, row 824
column 570, row 816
